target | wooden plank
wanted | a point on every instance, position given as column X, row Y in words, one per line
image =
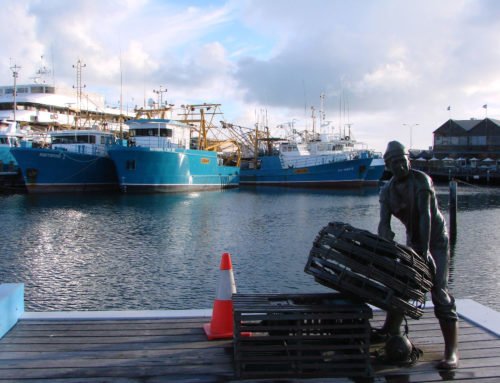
column 184, row 322
column 105, row 339
column 107, row 354
column 222, row 369
column 61, row 347
column 68, row 360
column 117, row 332
column 105, row 325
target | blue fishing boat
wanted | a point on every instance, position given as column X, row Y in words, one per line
column 300, row 165
column 76, row 160
column 314, row 160
column 163, row 155
column 308, row 158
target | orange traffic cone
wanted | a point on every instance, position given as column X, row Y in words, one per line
column 221, row 325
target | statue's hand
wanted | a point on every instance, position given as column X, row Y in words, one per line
column 430, row 262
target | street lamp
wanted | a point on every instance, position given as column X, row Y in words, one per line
column 411, row 132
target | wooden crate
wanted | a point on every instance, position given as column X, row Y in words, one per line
column 300, row 335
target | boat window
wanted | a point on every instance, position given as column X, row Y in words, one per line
column 107, row 140
column 76, row 139
column 50, row 89
column 166, row 132
column 144, row 132
column 3, row 140
column 37, row 89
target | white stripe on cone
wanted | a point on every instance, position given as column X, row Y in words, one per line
column 227, row 286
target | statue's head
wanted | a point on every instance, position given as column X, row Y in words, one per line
column 396, row 159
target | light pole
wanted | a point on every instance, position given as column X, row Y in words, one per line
column 411, row 132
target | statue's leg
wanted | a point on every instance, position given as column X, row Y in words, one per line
column 392, row 326
column 449, row 328
column 445, row 310
column 393, row 321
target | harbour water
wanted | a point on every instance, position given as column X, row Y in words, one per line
column 125, row 251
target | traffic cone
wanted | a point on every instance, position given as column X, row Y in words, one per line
column 221, row 324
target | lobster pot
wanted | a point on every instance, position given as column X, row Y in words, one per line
column 365, row 266
column 300, row 335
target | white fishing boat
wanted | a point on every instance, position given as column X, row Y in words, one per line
column 43, row 106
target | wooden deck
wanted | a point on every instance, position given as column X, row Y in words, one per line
column 164, row 350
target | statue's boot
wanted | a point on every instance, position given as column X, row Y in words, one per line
column 392, row 326
column 450, row 335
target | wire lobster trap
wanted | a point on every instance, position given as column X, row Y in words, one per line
column 308, row 335
column 368, row 267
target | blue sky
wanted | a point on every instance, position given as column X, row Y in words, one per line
column 395, row 64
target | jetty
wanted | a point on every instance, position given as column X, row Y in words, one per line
column 171, row 346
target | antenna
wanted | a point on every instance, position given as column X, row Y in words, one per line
column 15, row 73
column 160, row 95
column 41, row 73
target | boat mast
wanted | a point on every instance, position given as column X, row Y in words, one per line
column 313, row 116
column 121, row 98
column 79, row 87
column 256, row 145
column 15, row 72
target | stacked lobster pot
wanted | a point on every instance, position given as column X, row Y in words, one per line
column 300, row 335
column 369, row 268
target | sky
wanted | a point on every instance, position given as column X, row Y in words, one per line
column 388, row 69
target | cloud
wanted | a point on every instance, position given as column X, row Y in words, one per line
column 389, row 62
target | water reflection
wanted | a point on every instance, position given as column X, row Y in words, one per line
column 120, row 251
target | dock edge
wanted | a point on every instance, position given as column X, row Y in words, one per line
column 11, row 305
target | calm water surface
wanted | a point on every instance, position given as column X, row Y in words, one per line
column 103, row 252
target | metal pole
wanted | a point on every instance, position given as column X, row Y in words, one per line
column 453, row 211
column 15, row 72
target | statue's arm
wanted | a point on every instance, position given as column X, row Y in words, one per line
column 384, row 226
column 424, row 220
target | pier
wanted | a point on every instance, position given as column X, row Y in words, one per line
column 160, row 346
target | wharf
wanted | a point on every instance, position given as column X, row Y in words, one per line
column 149, row 346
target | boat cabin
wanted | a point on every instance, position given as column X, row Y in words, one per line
column 159, row 134
column 93, row 142
column 10, row 135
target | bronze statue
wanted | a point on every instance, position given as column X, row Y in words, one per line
column 410, row 197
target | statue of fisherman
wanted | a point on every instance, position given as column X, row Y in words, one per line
column 410, row 197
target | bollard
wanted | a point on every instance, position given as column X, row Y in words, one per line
column 453, row 212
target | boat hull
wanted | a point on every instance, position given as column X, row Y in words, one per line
column 350, row 173
column 142, row 169
column 52, row 170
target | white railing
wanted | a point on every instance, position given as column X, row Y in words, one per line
column 302, row 162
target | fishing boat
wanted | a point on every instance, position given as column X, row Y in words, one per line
column 328, row 164
column 307, row 158
column 75, row 160
column 172, row 155
column 43, row 106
